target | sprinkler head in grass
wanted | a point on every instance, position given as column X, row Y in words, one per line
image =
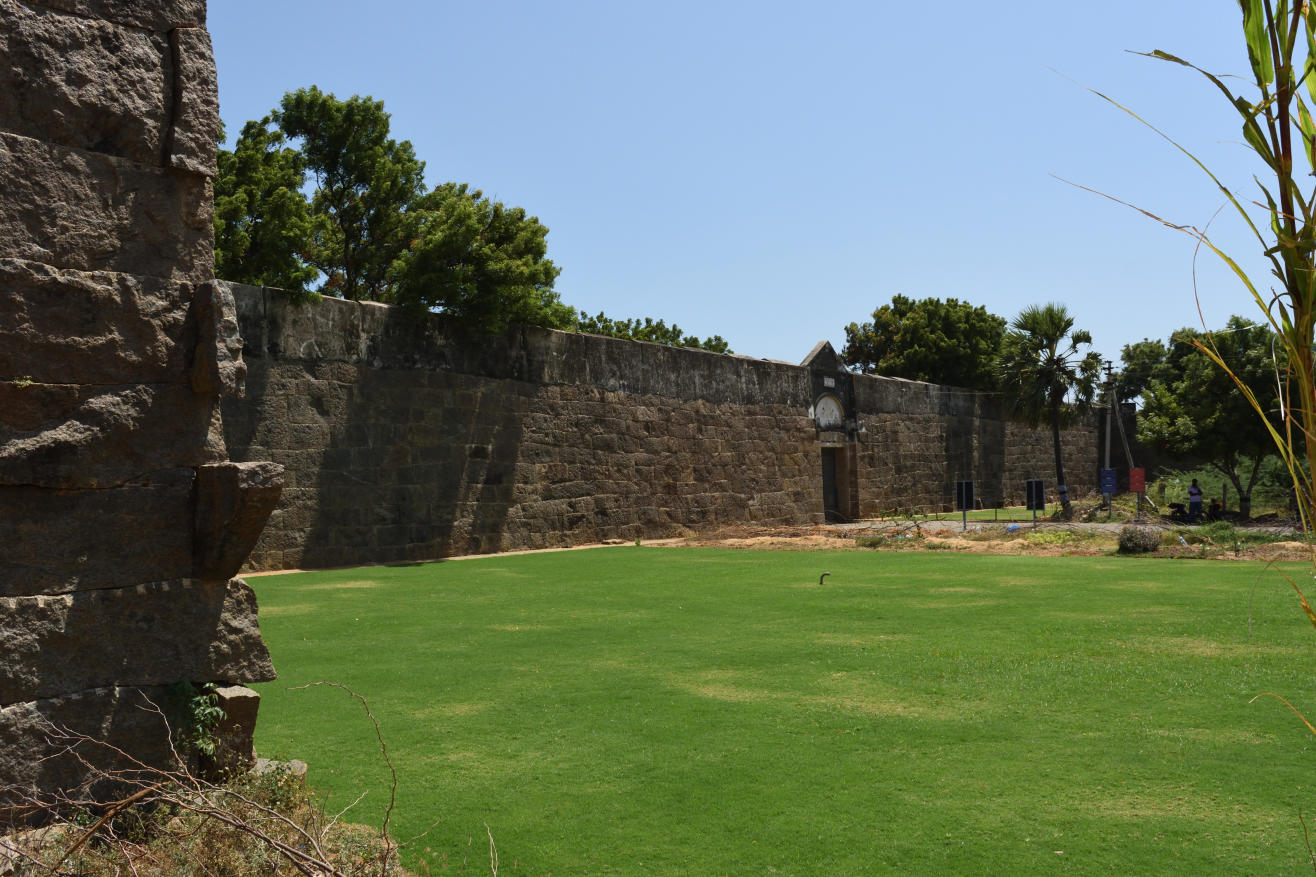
column 823, row 576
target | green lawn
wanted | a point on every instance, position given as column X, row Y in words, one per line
column 638, row 710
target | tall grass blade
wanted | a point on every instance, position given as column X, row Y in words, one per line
column 1258, row 40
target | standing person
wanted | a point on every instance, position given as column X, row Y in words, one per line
column 1194, row 503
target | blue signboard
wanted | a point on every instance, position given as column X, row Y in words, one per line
column 1108, row 482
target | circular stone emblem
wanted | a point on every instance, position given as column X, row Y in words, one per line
column 827, row 413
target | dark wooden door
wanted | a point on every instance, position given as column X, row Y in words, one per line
column 831, row 503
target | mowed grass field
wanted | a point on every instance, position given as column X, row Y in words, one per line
column 644, row 710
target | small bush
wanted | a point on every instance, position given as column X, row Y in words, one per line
column 889, row 540
column 1226, row 534
column 259, row 823
column 1138, row 540
column 1055, row 537
column 1002, row 533
column 170, row 822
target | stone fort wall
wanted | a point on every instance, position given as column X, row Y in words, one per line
column 401, row 441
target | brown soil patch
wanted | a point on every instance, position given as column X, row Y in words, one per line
column 1048, row 539
column 344, row 586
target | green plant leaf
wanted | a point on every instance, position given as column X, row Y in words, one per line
column 1258, row 41
column 1308, row 74
column 1252, row 131
column 1308, row 128
column 1253, row 134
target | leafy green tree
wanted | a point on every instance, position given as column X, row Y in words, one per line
column 262, row 221
column 479, row 261
column 1278, row 128
column 943, row 342
column 1192, row 407
column 649, row 330
column 366, row 184
column 371, row 230
column 1142, row 361
column 1044, row 376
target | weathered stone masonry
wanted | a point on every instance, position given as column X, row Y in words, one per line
column 403, row 442
column 122, row 521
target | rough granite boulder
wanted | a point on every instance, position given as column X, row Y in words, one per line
column 59, row 541
column 154, row 15
column 148, row 635
column 235, row 750
column 95, row 212
column 72, row 436
column 219, row 369
column 46, row 92
column 62, row 326
column 195, row 129
column 38, row 735
column 233, row 501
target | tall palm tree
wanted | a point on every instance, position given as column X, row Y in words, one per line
column 1042, row 370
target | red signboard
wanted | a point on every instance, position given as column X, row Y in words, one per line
column 1137, row 480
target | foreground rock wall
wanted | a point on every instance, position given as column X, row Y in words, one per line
column 403, row 442
column 122, row 520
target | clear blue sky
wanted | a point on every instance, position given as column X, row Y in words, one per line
column 772, row 171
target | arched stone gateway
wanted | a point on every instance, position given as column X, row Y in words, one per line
column 838, row 428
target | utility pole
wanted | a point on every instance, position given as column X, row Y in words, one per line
column 1110, row 413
